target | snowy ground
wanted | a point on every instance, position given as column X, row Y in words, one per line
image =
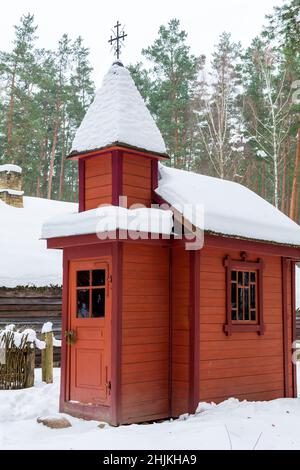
column 232, row 424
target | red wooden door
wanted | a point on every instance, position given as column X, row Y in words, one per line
column 90, row 332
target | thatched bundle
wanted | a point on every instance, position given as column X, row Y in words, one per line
column 17, row 358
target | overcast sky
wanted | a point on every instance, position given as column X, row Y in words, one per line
column 204, row 20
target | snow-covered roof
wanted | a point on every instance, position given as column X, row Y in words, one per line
column 25, row 259
column 109, row 219
column 118, row 115
column 12, row 192
column 229, row 208
column 10, row 168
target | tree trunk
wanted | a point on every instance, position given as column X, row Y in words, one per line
column 52, row 159
column 10, row 115
column 62, row 165
column 295, row 178
column 263, row 180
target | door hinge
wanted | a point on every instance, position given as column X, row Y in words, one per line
column 109, row 386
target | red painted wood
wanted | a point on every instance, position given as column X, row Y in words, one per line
column 154, row 174
column 93, row 341
column 194, row 365
column 92, row 239
column 145, row 396
column 261, row 297
column 230, row 326
column 64, row 395
column 284, row 264
column 293, row 304
column 117, row 309
column 133, row 151
column 91, row 412
column 170, row 332
column 251, row 246
column 81, row 188
column 117, row 176
column 90, row 252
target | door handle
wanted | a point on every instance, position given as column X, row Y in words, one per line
column 70, row 336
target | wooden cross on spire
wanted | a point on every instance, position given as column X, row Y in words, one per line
column 116, row 40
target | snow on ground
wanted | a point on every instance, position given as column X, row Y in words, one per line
column 229, row 208
column 231, row 424
column 25, row 259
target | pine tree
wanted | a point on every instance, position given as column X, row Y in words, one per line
column 169, row 87
column 283, row 30
column 17, row 70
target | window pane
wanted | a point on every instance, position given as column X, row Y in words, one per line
column 253, row 315
column 83, row 278
column 246, row 279
column 252, row 296
column 233, row 315
column 233, row 275
column 246, row 294
column 240, row 278
column 83, row 303
column 98, row 277
column 233, row 295
column 252, row 277
column 98, row 301
column 240, row 299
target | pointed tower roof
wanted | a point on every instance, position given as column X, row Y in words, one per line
column 118, row 116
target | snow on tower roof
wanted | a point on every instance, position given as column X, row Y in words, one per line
column 229, row 208
column 118, row 115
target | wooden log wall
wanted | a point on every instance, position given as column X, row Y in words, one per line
column 31, row 308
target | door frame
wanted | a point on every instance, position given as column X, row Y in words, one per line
column 90, row 264
column 113, row 251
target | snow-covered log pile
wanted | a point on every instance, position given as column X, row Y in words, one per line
column 20, row 338
column 17, row 355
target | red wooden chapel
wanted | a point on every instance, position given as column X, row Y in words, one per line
column 153, row 328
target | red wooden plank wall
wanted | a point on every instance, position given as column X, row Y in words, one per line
column 98, row 181
column 137, row 179
column 244, row 365
column 180, row 330
column 145, row 333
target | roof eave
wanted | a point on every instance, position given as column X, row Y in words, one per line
column 75, row 155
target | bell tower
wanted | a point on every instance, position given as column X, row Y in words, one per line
column 117, row 145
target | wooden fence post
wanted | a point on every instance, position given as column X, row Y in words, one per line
column 29, row 368
column 47, row 358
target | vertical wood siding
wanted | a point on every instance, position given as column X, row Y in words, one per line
column 145, row 333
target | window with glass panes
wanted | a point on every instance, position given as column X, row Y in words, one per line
column 244, row 295
column 91, row 290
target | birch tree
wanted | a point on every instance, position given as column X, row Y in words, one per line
column 267, row 107
column 220, row 124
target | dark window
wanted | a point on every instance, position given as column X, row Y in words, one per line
column 98, row 277
column 83, row 278
column 91, row 291
column 243, row 304
column 83, row 303
column 98, row 299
